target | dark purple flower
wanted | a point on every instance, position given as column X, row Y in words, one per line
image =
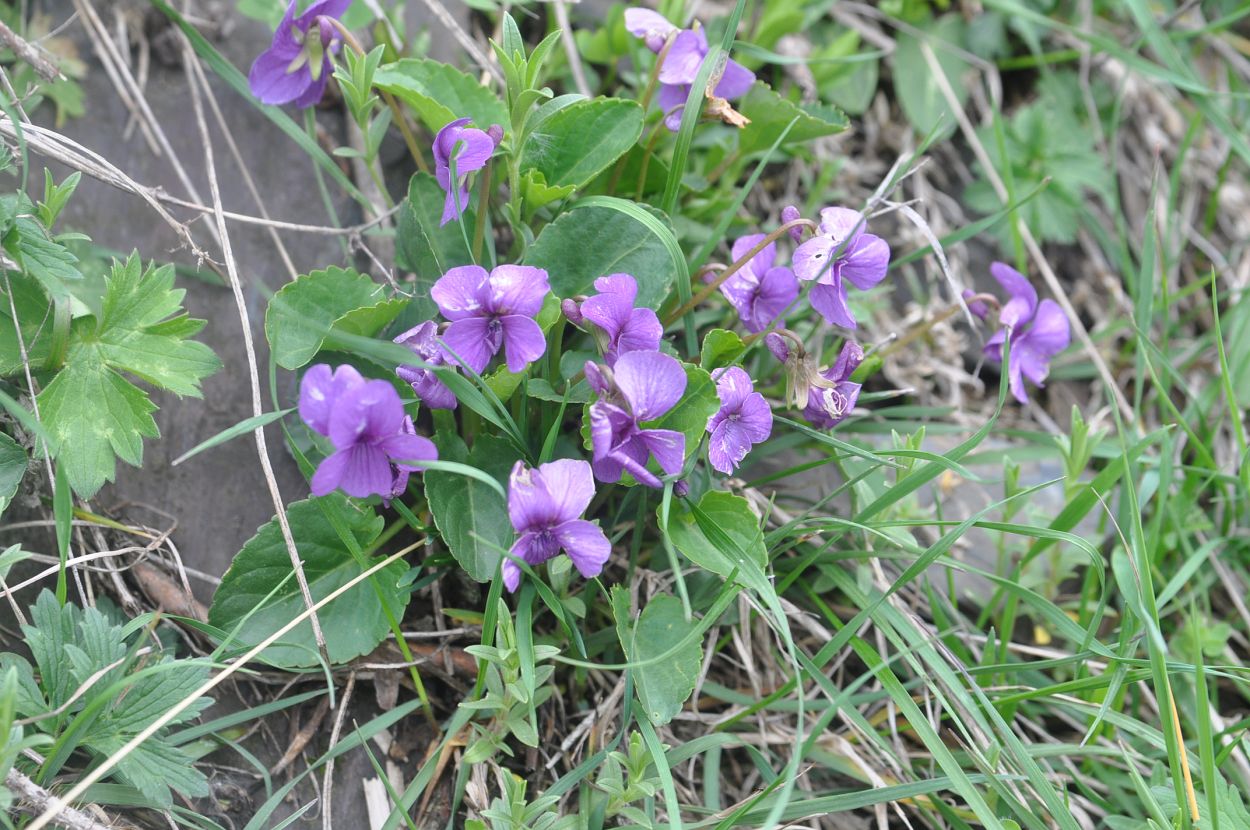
column 759, row 290
column 493, row 311
column 641, row 387
column 546, row 504
column 374, row 441
column 682, row 63
column 832, row 396
column 422, row 341
column 296, row 66
column 840, row 250
column 624, row 328
column 744, row 418
column 470, row 149
column 1038, row 331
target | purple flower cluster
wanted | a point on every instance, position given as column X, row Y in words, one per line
column 490, row 312
column 618, row 326
column 375, row 444
column 744, row 419
column 840, row 250
column 545, row 505
column 642, row 386
column 468, row 149
column 297, row 65
column 1036, row 331
column 759, row 291
column 681, row 64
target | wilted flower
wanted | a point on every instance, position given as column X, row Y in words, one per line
column 422, row 340
column 744, row 418
column 470, row 149
column 840, row 249
column 546, row 504
column 624, row 328
column 374, row 441
column 759, row 290
column 296, row 66
column 493, row 311
column 641, row 387
column 1038, row 331
column 682, row 63
column 832, row 397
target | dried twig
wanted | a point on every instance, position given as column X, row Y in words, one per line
column 22, row 48
column 35, row 796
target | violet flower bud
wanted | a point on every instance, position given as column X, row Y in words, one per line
column 788, row 214
column 778, row 345
column 681, row 488
column 572, row 311
column 496, row 133
column 977, row 307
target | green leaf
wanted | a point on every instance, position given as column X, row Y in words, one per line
column 733, row 517
column 720, row 349
column 538, row 192
column 472, row 517
column 422, row 246
column 353, row 624
column 34, row 315
column 697, row 405
column 914, row 83
column 12, row 468
column 42, row 257
column 439, row 93
column 309, row 309
column 591, row 242
column 665, row 685
column 770, row 113
column 89, row 409
column 579, row 141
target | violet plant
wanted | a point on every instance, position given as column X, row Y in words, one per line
column 545, row 333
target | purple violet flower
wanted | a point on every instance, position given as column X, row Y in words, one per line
column 831, row 399
column 1038, row 331
column 642, row 386
column 296, row 66
column 863, row 259
column 546, row 504
column 470, row 149
column 744, row 418
column 493, row 311
column 374, row 441
column 422, row 340
column 759, row 290
column 623, row 327
column 682, row 63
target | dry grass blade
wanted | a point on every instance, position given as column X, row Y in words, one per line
column 197, row 81
column 32, row 795
column 24, row 50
